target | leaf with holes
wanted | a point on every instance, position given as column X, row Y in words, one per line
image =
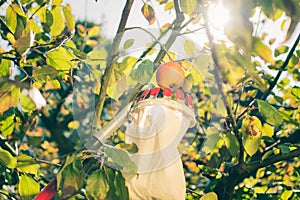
column 251, row 134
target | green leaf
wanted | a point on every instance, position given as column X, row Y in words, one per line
column 189, row 47
column 284, row 149
column 11, row 19
column 68, row 18
column 269, row 113
column 25, row 41
column 120, row 158
column 96, row 185
column 221, row 108
column 200, row 65
column 296, row 92
column 116, row 89
column 17, row 9
column 232, row 144
column 7, row 159
column 97, row 57
column 21, row 25
column 26, row 165
column 188, row 6
column 263, row 51
column 28, row 188
column 267, row 130
column 148, row 13
column 212, row 137
column 58, row 24
column 94, row 31
column 27, row 104
column 44, row 73
column 4, row 67
column 7, row 125
column 286, row 194
column 144, row 72
column 9, row 95
column 120, row 187
column 57, row 2
column 70, row 178
column 60, row 59
column 128, row 43
column 131, row 148
column 281, row 50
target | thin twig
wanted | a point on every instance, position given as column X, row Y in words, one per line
column 282, row 68
column 36, row 160
column 156, row 40
column 219, row 82
column 4, row 144
column 110, row 64
column 41, row 6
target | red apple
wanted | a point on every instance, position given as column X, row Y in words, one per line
column 170, row 75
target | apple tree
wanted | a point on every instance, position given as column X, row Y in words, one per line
column 245, row 82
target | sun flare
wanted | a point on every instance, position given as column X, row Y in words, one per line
column 218, row 17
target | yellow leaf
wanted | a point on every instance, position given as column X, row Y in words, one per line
column 210, row 196
column 169, row 5
column 148, row 13
column 188, row 6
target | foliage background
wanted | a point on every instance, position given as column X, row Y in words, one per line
column 246, row 144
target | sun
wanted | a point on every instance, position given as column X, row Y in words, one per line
column 218, row 18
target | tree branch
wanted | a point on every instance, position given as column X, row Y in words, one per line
column 4, row 144
column 282, row 68
column 219, row 82
column 156, row 40
column 112, row 56
column 272, row 160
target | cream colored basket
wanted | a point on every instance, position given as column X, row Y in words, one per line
column 157, row 126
